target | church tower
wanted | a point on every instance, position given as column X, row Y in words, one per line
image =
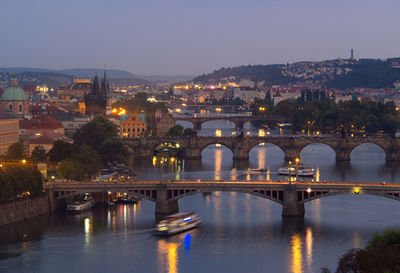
column 98, row 101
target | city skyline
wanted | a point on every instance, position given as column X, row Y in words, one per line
column 179, row 38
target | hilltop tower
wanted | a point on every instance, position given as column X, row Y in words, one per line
column 352, row 54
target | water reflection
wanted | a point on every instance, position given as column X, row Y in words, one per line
column 297, row 259
column 168, row 251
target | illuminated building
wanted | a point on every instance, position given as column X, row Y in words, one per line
column 9, row 126
column 133, row 125
column 14, row 99
column 44, row 124
column 78, row 89
column 46, row 141
column 163, row 122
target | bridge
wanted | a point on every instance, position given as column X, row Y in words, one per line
column 238, row 119
column 166, row 194
column 240, row 146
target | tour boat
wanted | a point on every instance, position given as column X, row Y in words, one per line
column 80, row 205
column 296, row 170
column 176, row 223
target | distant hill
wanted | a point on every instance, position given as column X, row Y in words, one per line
column 170, row 79
column 340, row 73
column 76, row 72
column 271, row 74
column 91, row 72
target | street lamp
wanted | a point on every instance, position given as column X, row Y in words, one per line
column 290, row 172
column 297, row 160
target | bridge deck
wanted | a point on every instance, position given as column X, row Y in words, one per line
column 58, row 185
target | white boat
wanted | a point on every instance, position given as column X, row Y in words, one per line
column 299, row 170
column 176, row 223
column 80, row 205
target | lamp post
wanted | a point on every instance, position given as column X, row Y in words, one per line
column 290, row 172
column 297, row 160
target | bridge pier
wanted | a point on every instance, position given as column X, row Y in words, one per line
column 197, row 125
column 144, row 153
column 239, row 125
column 392, row 156
column 342, row 155
column 192, row 153
column 291, row 155
column 163, row 204
column 291, row 206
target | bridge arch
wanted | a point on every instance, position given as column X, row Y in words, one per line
column 265, row 151
column 303, row 150
column 145, row 193
column 272, row 195
column 232, row 124
column 321, row 194
column 374, row 150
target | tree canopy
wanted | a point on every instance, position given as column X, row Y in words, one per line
column 19, row 181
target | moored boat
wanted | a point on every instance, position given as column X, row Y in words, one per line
column 299, row 170
column 176, row 223
column 81, row 205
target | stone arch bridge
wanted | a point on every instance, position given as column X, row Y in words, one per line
column 166, row 194
column 241, row 146
column 238, row 120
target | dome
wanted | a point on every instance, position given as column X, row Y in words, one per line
column 14, row 93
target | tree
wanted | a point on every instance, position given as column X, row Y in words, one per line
column 176, row 130
column 61, row 150
column 39, row 153
column 15, row 151
column 114, row 151
column 70, row 170
column 25, row 179
column 382, row 254
column 96, row 132
column 6, row 192
column 81, row 165
column 189, row 132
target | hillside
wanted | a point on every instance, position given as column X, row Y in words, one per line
column 340, row 74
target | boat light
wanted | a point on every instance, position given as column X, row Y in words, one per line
column 187, row 219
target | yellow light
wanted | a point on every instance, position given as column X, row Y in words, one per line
column 172, row 159
column 262, row 108
column 218, row 133
column 308, row 190
column 23, row 161
column 224, row 88
column 218, row 109
column 114, row 110
column 356, row 190
column 297, row 160
column 178, row 110
column 261, row 132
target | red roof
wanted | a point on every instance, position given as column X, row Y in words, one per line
column 50, row 139
column 41, row 122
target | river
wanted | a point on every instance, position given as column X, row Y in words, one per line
column 239, row 233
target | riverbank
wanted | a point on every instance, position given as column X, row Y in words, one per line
column 24, row 209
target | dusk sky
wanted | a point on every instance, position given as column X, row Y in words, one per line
column 149, row 37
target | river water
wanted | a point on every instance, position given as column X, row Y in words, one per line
column 239, row 233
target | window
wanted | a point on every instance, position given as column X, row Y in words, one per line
column 20, row 108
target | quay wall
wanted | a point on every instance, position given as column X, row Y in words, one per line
column 24, row 209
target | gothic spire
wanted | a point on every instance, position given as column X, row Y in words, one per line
column 104, row 83
column 95, row 87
